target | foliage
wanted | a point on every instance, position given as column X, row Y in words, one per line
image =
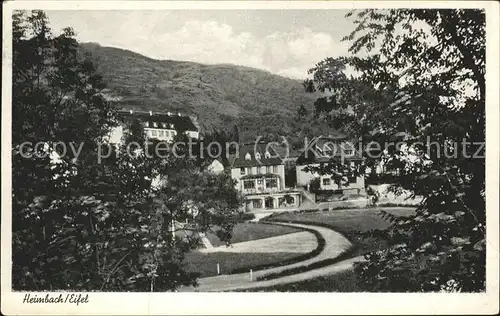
column 315, row 185
column 422, row 72
column 80, row 223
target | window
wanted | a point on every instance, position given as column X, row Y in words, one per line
column 259, row 182
column 262, row 169
column 249, row 170
column 164, row 125
column 257, row 203
column 248, row 184
column 275, row 169
column 160, row 133
column 271, row 183
column 155, row 124
column 171, row 125
column 147, row 124
column 242, row 171
column 352, row 178
column 326, row 181
column 268, row 169
column 348, row 152
column 248, row 157
column 153, row 133
column 267, row 155
column 257, row 156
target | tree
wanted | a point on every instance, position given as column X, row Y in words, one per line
column 422, row 72
column 302, row 111
column 81, row 222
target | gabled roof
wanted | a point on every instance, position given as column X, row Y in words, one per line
column 172, row 120
column 322, row 149
column 251, row 149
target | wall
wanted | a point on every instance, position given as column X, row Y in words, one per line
column 236, row 175
column 216, row 167
column 116, row 134
column 384, row 196
column 303, row 178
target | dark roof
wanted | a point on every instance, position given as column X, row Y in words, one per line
column 172, row 120
column 335, row 134
column 324, row 148
column 287, row 153
column 252, row 149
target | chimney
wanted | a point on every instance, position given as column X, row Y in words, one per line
column 150, row 113
column 178, row 113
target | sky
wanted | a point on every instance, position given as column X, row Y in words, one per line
column 284, row 42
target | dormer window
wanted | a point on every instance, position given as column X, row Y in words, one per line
column 267, row 155
column 147, row 124
column 257, row 156
column 164, row 125
column 155, row 124
column 248, row 157
column 171, row 125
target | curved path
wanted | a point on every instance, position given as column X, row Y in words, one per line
column 335, row 244
column 300, row 242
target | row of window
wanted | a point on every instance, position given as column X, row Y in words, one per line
column 258, row 156
column 270, row 183
column 155, row 133
column 164, row 125
column 260, row 170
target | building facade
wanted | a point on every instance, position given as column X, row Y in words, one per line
column 160, row 126
column 320, row 151
column 259, row 174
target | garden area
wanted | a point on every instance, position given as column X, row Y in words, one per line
column 231, row 262
column 352, row 223
column 250, row 231
column 349, row 222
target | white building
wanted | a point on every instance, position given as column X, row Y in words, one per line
column 161, row 126
column 320, row 151
column 260, row 176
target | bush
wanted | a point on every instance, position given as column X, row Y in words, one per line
column 244, row 216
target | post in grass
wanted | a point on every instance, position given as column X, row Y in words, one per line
column 218, row 268
column 251, row 275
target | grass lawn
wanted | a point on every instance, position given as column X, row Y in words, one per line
column 349, row 222
column 253, row 231
column 206, row 263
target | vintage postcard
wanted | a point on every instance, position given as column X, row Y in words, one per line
column 250, row 157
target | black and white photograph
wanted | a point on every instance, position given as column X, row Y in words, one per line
column 275, row 149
